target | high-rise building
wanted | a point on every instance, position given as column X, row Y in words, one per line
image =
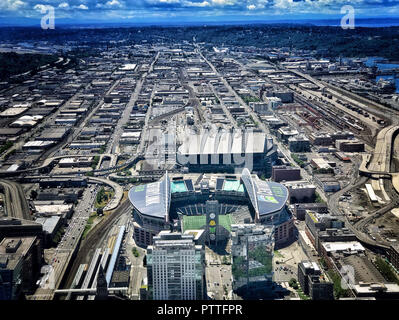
column 175, row 267
column 20, row 262
column 252, row 251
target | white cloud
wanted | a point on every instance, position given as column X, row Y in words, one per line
column 11, row 5
column 197, row 4
column 110, row 4
column 63, row 5
column 224, row 2
column 113, row 3
column 169, row 1
column 42, row 8
column 251, row 7
column 82, row 7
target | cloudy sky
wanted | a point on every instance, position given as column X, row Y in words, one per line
column 176, row 11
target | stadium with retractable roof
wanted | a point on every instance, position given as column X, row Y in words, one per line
column 209, row 204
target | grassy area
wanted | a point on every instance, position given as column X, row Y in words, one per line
column 338, row 290
column 12, row 63
column 199, row 222
column 319, row 199
column 58, row 236
column 302, row 295
column 102, row 149
column 103, row 197
column 89, row 224
column 248, row 99
column 95, row 162
column 386, row 270
column 293, row 284
column 226, row 260
column 297, row 160
column 135, row 252
column 277, row 254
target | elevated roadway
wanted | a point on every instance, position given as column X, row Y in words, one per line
column 378, row 165
column 112, row 205
column 15, row 201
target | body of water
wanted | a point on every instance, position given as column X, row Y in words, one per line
column 373, row 61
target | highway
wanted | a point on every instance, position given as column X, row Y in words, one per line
column 94, row 237
column 65, row 249
column 16, row 205
column 360, row 227
column 381, row 160
column 113, row 204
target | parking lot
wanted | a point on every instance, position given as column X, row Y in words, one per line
column 285, row 262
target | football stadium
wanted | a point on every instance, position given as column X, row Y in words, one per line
column 210, row 203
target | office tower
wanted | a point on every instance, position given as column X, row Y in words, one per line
column 175, row 266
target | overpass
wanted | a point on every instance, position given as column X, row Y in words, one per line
column 16, row 205
column 378, row 165
column 113, row 204
column 50, row 161
column 166, row 115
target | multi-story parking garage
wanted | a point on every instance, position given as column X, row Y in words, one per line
column 209, row 202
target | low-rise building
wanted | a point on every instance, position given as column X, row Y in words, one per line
column 285, row 173
column 327, row 182
column 299, row 143
column 261, row 108
column 50, row 227
column 320, row 139
column 285, row 133
column 301, row 191
column 319, row 163
column 313, row 282
column 75, row 162
column 350, row 145
column 300, row 209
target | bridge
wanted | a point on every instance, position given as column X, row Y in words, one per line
column 113, row 204
column 88, row 291
column 378, row 165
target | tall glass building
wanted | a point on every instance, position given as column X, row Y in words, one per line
column 175, row 267
column 252, row 251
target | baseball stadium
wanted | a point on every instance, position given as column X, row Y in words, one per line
column 209, row 202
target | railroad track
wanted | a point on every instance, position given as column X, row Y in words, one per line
column 93, row 237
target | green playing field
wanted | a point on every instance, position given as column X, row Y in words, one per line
column 198, row 222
